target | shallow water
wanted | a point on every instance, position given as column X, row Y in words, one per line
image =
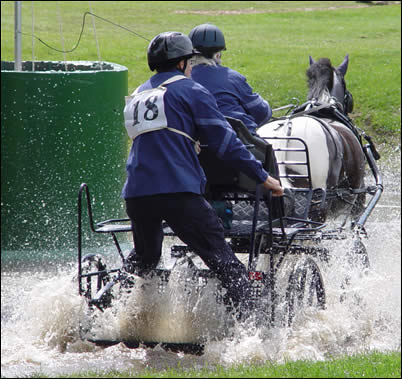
column 40, row 310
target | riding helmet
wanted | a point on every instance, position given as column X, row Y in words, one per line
column 208, row 39
column 169, row 47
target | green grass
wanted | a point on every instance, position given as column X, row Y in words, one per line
column 373, row 365
column 269, row 42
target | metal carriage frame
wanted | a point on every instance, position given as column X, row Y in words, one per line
column 277, row 237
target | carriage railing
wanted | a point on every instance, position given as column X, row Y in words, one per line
column 371, row 157
column 107, row 226
column 304, row 162
column 113, row 226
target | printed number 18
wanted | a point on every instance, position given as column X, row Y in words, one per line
column 150, row 114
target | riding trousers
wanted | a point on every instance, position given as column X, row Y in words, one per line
column 196, row 223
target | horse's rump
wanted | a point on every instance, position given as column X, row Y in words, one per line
column 335, row 154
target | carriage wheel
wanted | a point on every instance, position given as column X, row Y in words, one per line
column 299, row 285
column 358, row 256
column 92, row 263
column 305, row 288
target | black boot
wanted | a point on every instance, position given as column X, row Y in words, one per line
column 129, row 263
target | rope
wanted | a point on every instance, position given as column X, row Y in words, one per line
column 61, row 34
column 96, row 37
column 33, row 39
column 82, row 30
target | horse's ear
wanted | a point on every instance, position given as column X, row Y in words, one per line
column 311, row 60
column 343, row 67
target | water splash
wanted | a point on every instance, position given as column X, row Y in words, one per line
column 40, row 312
column 174, row 315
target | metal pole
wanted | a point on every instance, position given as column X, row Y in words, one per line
column 17, row 36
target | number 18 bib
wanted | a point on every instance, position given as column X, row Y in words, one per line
column 145, row 111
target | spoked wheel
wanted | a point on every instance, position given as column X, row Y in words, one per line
column 94, row 266
column 305, row 289
column 299, row 285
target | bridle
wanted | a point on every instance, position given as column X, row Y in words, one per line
column 341, row 94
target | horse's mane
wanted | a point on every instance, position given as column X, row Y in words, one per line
column 320, row 79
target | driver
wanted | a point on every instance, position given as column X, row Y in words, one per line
column 165, row 181
column 233, row 94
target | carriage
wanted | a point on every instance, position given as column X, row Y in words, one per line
column 280, row 240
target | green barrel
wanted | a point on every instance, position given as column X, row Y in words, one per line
column 62, row 124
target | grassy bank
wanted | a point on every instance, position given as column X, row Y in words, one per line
column 269, row 42
column 373, row 365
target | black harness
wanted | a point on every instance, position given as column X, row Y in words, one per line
column 332, row 112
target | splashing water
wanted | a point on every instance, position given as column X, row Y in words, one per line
column 40, row 312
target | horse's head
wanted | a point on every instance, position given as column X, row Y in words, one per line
column 326, row 82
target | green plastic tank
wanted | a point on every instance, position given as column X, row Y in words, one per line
column 61, row 124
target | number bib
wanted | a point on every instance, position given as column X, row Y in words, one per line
column 145, row 111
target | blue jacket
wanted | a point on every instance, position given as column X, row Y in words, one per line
column 163, row 161
column 233, row 94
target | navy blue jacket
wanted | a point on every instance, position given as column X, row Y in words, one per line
column 162, row 161
column 234, row 96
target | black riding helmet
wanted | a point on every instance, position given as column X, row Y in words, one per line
column 169, row 48
column 208, row 39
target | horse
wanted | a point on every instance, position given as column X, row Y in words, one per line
column 335, row 154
